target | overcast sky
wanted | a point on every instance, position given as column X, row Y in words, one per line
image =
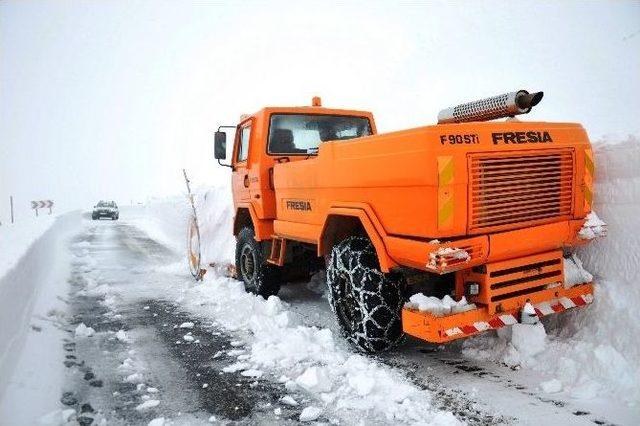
column 111, row 99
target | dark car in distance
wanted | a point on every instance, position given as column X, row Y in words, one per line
column 105, row 209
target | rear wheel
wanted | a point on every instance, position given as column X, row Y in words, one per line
column 367, row 303
column 259, row 277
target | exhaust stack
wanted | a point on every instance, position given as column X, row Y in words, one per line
column 506, row 105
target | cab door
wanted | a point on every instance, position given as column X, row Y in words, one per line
column 240, row 175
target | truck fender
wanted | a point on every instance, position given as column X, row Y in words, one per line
column 246, row 216
column 338, row 223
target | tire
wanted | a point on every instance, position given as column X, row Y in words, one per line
column 94, row 218
column 252, row 268
column 367, row 303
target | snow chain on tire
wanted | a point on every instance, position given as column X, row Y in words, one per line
column 259, row 277
column 366, row 302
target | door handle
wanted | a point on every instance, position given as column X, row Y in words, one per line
column 246, row 181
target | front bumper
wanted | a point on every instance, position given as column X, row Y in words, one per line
column 444, row 329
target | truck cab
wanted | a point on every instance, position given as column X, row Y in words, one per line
column 279, row 135
column 483, row 212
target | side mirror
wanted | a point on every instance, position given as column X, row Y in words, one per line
column 220, row 148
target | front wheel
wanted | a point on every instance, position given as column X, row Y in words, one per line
column 367, row 303
column 259, row 277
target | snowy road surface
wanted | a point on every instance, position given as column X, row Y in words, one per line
column 136, row 341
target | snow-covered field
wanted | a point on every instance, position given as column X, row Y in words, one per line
column 579, row 367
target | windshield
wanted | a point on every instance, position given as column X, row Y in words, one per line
column 302, row 133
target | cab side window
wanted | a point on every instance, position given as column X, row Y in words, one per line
column 243, row 145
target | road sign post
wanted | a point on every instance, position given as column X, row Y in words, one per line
column 11, row 202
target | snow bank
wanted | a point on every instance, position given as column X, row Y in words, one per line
column 166, row 219
column 308, row 360
column 16, row 238
column 215, row 215
column 163, row 219
column 32, row 307
column 594, row 351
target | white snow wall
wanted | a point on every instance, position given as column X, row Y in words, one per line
column 615, row 260
column 215, row 216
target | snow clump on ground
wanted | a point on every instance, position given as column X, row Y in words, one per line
column 84, row 331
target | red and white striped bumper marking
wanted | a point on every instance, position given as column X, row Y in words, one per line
column 542, row 309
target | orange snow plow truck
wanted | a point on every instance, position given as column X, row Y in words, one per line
column 440, row 232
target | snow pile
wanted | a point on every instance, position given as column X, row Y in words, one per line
column 310, row 413
column 158, row 421
column 84, row 331
column 122, row 336
column 574, row 272
column 146, row 405
column 593, row 227
column 307, row 359
column 594, row 351
column 438, row 307
column 551, row 386
column 515, row 346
